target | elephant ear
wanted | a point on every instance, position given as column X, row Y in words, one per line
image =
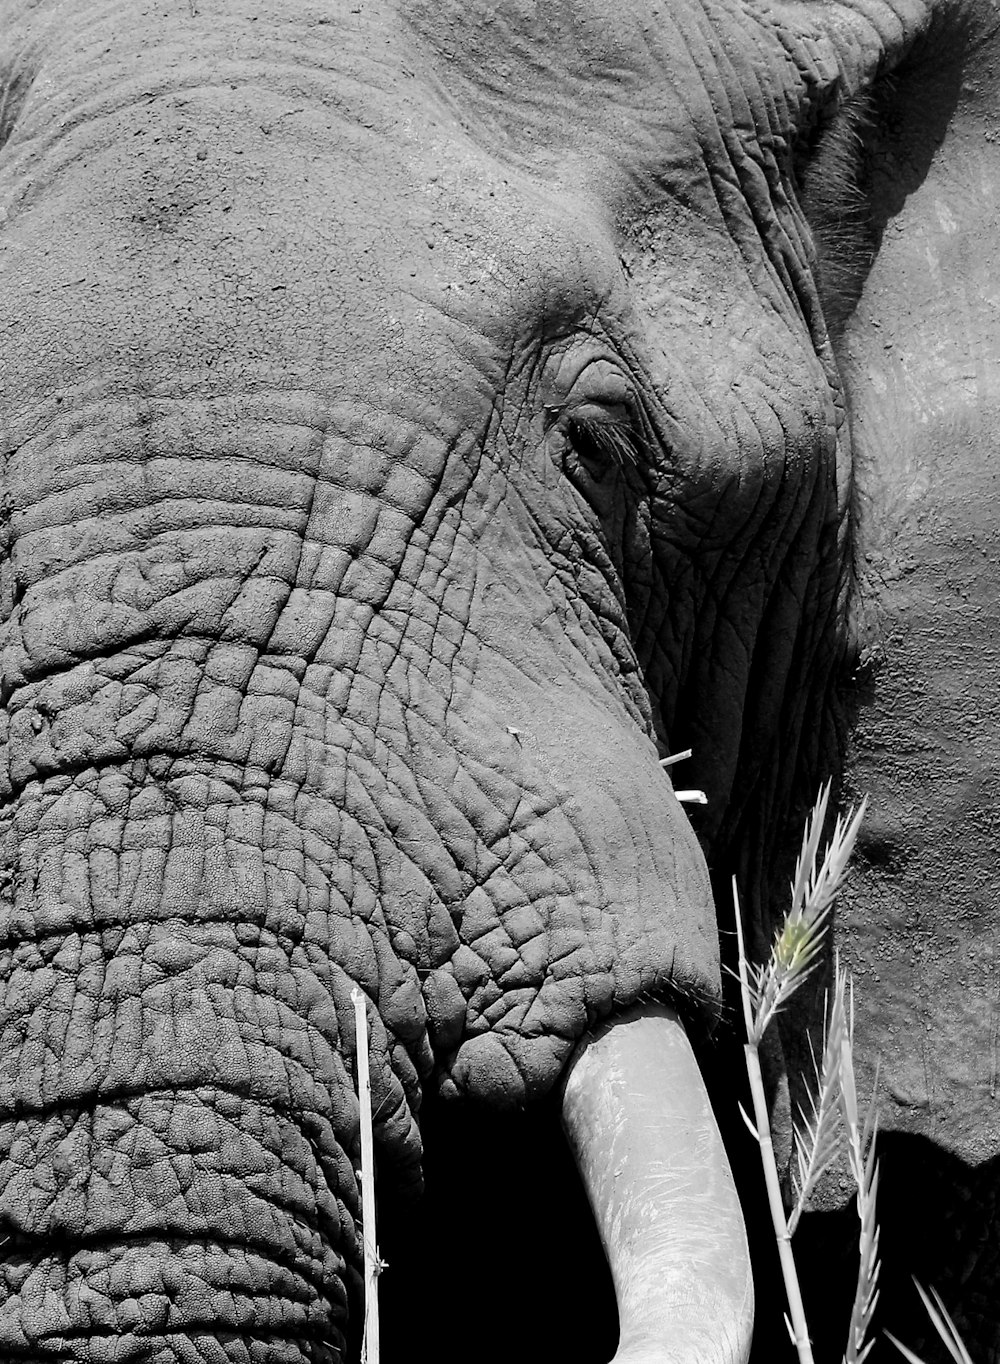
column 920, row 356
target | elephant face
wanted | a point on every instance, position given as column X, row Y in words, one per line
column 418, row 420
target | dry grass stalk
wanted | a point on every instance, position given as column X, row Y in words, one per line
column 817, row 1134
column 373, row 1264
column 864, row 1168
column 834, row 1118
column 764, row 991
column 761, row 1129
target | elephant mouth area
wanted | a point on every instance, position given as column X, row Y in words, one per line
column 502, row 1251
column 508, row 1251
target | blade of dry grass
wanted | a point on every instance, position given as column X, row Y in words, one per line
column 942, row 1324
column 859, row 1343
column 372, row 1262
column 904, row 1350
column 825, row 883
column 805, row 867
column 817, row 1134
column 763, row 992
column 796, row 1320
column 861, row 1138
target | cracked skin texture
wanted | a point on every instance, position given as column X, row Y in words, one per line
column 337, row 647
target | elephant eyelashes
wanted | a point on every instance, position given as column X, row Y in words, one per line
column 601, row 445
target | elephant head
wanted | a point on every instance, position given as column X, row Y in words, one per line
column 418, row 420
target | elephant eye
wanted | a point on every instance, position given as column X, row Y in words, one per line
column 601, row 443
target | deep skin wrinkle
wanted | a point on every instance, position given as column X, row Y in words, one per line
column 333, row 653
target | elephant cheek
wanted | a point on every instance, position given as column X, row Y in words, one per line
column 633, row 916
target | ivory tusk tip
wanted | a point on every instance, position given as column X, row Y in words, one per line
column 639, row 1121
column 653, row 1353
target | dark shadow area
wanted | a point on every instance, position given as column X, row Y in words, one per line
column 724, row 1070
column 939, row 1224
column 501, row 1259
column 938, row 1219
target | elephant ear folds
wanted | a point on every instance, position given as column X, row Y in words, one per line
column 924, row 200
column 864, row 155
column 17, row 75
column 832, row 171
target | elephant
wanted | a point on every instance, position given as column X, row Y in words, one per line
column 421, row 423
column 918, row 921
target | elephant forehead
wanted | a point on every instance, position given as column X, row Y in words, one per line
column 287, row 201
column 343, row 119
column 568, row 73
column 631, row 80
column 243, row 232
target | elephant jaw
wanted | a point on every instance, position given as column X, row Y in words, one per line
column 640, row 1124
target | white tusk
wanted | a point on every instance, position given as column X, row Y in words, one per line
column 691, row 797
column 675, row 758
column 640, row 1124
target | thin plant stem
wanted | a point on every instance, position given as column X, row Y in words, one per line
column 798, row 1329
column 861, row 1149
column 373, row 1264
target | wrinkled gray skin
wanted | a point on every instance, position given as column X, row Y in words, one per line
column 919, row 923
column 416, row 419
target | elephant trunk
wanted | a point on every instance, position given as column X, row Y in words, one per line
column 639, row 1121
column 168, row 1208
column 178, row 1125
